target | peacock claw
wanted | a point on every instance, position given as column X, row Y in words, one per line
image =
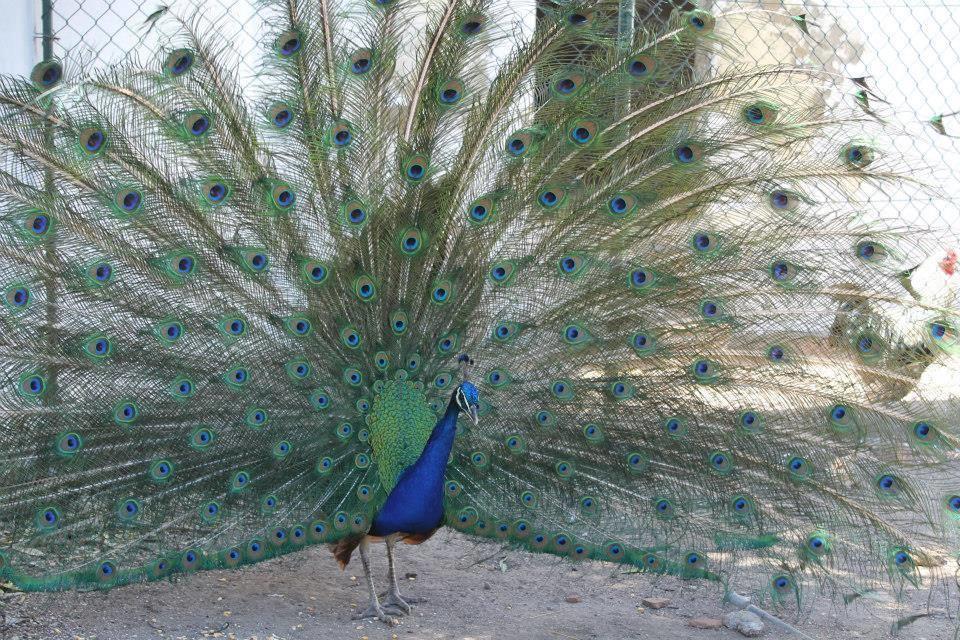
column 378, row 612
column 394, row 611
column 394, row 601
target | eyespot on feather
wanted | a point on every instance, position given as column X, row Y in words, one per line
column 705, row 371
column 870, row 251
column 360, row 62
column 521, row 143
column 169, row 332
column 181, row 265
column 411, row 241
column 182, row 388
column 699, row 22
column 551, row 197
column 399, row 322
column 92, row 141
column 571, row 265
column 442, row 292
column 416, row 168
column 449, row 93
column 675, row 427
column 798, row 468
column 502, row 273
column 641, row 68
column 350, row 337
column 215, row 191
column 688, row 153
column 582, row 132
column 705, row 243
column 365, row 288
column 622, row 205
column 314, row 272
column 282, row 196
column 566, row 84
column 178, row 62
column 783, row 273
column 481, row 211
column 288, row 44
column 252, row 260
column 472, row 24
column 232, row 326
column 280, row 114
column 642, row 279
column 256, row 418
column 858, row 155
column 354, row 214
column 868, row 346
column 622, row 389
column 339, row 135
column 750, row 421
column 128, row 201
column 298, row 325
column 99, row 273
column 784, row 200
column 580, row 18
column 944, row 334
column 37, row 225
column 47, row 74
column 196, row 124
column 761, row 113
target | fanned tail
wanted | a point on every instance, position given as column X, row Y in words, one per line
column 230, row 318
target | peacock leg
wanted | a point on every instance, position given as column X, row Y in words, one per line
column 373, row 610
column 393, row 602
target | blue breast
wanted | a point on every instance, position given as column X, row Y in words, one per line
column 416, row 503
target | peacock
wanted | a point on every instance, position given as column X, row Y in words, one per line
column 546, row 273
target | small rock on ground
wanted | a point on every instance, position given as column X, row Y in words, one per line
column 655, row 603
column 705, row 623
column 573, row 598
column 746, row 622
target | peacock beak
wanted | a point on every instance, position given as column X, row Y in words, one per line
column 474, row 418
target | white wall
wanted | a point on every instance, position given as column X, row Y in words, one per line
column 18, row 23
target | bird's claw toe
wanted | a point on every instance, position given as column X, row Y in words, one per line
column 394, row 601
column 394, row 610
column 386, row 598
column 378, row 612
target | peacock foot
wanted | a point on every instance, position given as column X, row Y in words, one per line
column 395, row 602
column 375, row 610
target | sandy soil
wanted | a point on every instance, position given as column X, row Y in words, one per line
column 473, row 590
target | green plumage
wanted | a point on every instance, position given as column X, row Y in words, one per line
column 232, row 314
column 400, row 424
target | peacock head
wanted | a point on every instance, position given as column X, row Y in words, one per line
column 467, row 396
column 468, row 399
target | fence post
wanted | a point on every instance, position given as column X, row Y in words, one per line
column 50, row 249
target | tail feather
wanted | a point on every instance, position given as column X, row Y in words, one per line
column 343, row 549
column 691, row 346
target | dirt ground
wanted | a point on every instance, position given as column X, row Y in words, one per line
column 473, row 590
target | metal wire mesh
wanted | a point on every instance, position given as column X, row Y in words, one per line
column 903, row 50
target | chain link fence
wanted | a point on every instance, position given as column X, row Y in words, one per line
column 899, row 54
column 106, row 32
column 903, row 52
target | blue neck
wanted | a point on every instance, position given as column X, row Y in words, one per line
column 415, row 505
column 437, row 449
